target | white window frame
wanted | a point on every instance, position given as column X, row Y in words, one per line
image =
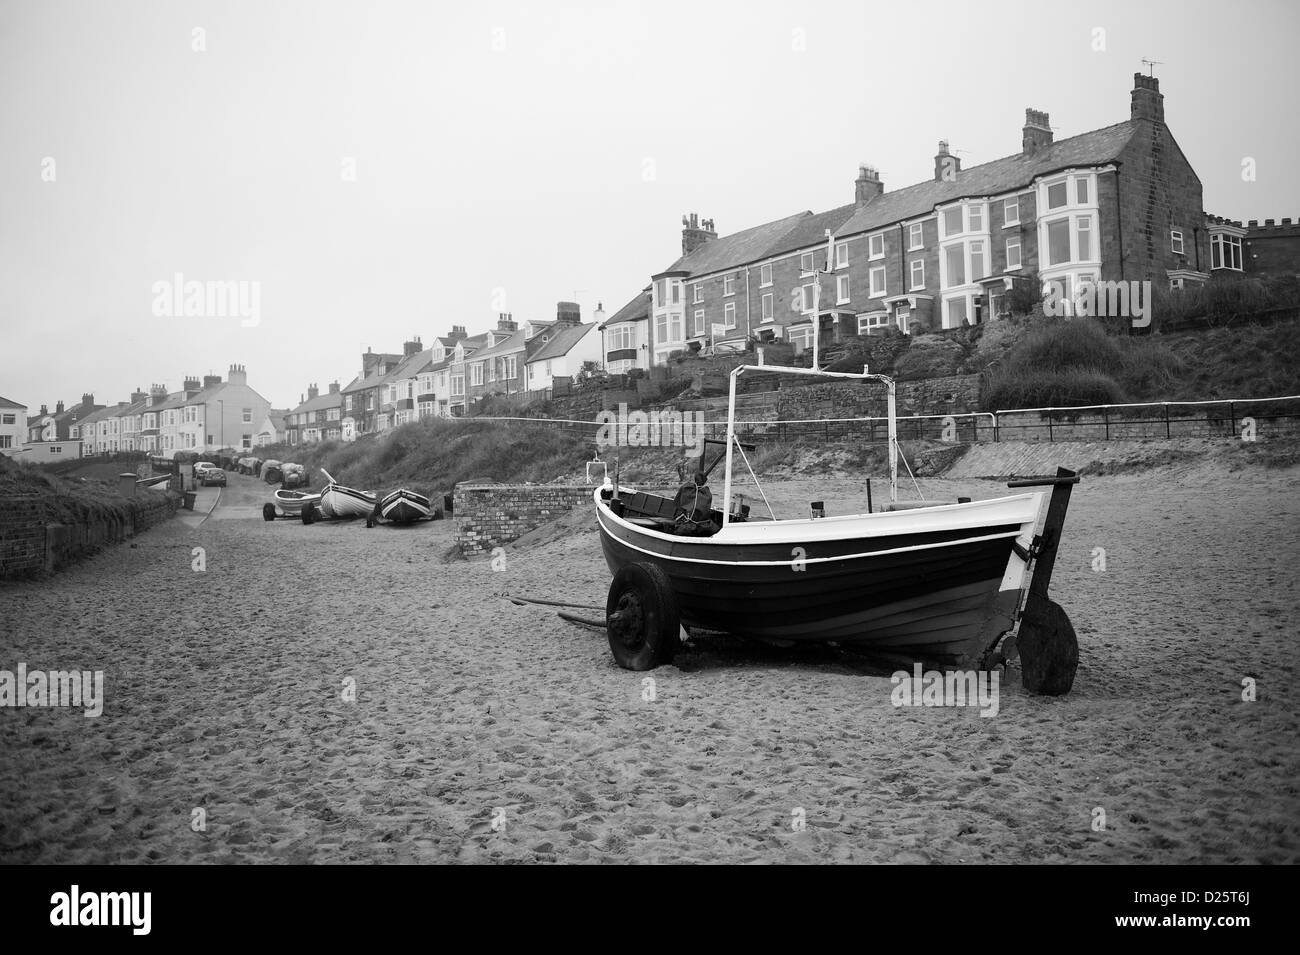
column 841, row 255
column 807, row 295
column 1221, row 242
column 916, row 236
column 729, row 284
column 877, row 290
column 697, row 323
column 872, row 320
column 698, row 297
column 1007, row 205
column 841, row 290
column 476, row 374
column 729, row 315
column 769, row 312
column 806, row 264
column 765, row 269
column 1176, row 243
column 912, row 271
column 876, row 247
column 1013, row 244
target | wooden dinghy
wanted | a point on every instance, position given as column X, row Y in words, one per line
column 404, row 507
column 338, row 501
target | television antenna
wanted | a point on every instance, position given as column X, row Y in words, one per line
column 1150, row 64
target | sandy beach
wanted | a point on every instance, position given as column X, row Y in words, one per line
column 483, row 731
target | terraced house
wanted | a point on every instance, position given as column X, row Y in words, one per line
column 1121, row 202
column 317, row 417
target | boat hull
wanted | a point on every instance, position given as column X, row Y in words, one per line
column 404, row 507
column 339, row 501
column 941, row 587
column 292, row 502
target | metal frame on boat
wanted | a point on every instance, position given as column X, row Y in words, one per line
column 941, row 583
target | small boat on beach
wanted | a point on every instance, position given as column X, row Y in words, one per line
column 289, row 503
column 943, row 583
column 272, row 472
column 404, row 507
column 339, row 501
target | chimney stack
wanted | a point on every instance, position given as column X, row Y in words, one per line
column 946, row 165
column 312, row 392
column 458, row 332
column 695, row 233
column 138, row 396
column 157, row 394
column 191, row 387
column 211, row 381
column 237, row 375
column 1037, row 134
column 868, row 185
column 58, row 408
column 598, row 316
column 413, row 347
column 45, row 409
column 506, row 322
column 87, row 400
column 334, row 387
column 568, row 313
column 1147, row 100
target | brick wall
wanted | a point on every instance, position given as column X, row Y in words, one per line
column 31, row 544
column 1271, row 249
column 489, row 515
column 955, row 394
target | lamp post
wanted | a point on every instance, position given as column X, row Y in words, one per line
column 221, row 423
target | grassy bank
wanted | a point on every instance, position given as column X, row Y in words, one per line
column 65, row 501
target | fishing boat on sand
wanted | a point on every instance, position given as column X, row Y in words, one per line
column 338, row 501
column 290, row 503
column 944, row 583
column 402, row 507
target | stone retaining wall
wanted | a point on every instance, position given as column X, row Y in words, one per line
column 30, row 544
column 489, row 515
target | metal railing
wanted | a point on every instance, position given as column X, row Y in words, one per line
column 1128, row 421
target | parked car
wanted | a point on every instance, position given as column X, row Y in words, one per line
column 199, row 467
column 213, row 476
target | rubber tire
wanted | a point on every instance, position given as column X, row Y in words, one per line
column 308, row 513
column 656, row 635
column 268, row 512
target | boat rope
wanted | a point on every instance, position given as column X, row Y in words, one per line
column 549, row 603
column 909, row 472
column 744, row 458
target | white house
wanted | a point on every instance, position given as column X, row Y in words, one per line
column 13, row 426
column 563, row 354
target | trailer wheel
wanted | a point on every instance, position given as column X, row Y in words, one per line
column 1049, row 648
column 308, row 513
column 268, row 512
column 641, row 617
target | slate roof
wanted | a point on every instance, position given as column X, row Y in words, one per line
column 320, row 403
column 6, row 403
column 739, row 248
column 1001, row 175
column 637, row 310
column 562, row 341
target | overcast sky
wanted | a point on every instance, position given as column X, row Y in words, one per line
column 510, row 155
